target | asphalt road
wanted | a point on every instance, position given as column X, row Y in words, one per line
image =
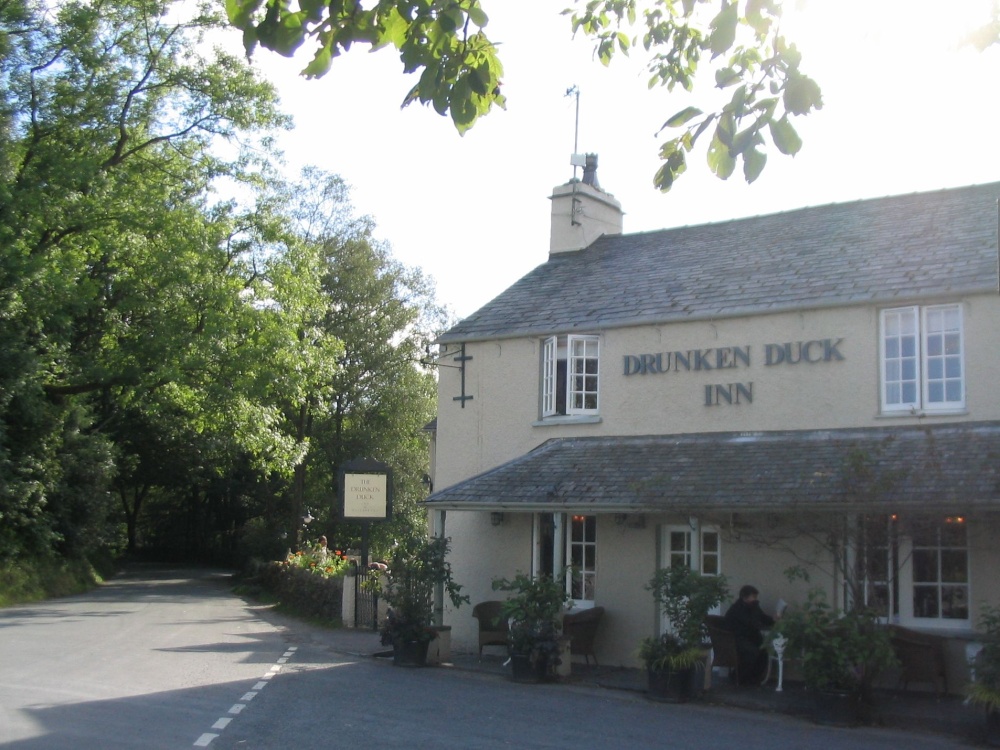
column 161, row 658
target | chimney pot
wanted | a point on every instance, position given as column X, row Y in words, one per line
column 582, row 212
column 590, row 171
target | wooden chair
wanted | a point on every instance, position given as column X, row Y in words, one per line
column 921, row 657
column 724, row 652
column 581, row 627
column 493, row 628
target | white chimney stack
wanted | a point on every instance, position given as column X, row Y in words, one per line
column 582, row 212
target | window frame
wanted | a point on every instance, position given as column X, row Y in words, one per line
column 550, row 357
column 566, row 396
column 584, row 573
column 899, row 547
column 909, row 547
column 914, row 322
column 694, row 552
column 579, row 388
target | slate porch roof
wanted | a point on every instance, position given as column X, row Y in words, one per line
column 894, row 249
column 946, row 468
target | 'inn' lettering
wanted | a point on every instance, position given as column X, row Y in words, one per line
column 728, row 394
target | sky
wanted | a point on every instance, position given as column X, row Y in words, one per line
column 906, row 109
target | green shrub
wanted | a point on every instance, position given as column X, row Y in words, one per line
column 843, row 651
column 33, row 579
column 985, row 690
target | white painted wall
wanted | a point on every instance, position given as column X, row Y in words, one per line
column 501, row 422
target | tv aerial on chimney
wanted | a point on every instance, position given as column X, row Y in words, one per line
column 576, row 158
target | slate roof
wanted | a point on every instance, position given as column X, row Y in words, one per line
column 947, row 468
column 891, row 249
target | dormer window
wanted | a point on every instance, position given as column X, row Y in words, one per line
column 570, row 375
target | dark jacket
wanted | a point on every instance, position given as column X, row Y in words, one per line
column 746, row 620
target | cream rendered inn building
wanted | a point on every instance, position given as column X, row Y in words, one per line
column 812, row 390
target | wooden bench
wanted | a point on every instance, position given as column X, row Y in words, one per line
column 581, row 627
column 921, row 657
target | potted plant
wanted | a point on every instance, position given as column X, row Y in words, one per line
column 533, row 612
column 843, row 653
column 684, row 597
column 985, row 688
column 417, row 567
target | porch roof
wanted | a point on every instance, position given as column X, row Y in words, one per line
column 953, row 468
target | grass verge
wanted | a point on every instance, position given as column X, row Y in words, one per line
column 31, row 580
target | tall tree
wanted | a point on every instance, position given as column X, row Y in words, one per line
column 120, row 282
column 182, row 364
column 369, row 397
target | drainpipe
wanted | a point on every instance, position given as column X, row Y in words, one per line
column 439, row 588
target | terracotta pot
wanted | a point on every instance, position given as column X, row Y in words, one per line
column 672, row 685
column 410, row 654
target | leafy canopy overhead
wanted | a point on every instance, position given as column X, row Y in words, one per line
column 739, row 41
column 441, row 39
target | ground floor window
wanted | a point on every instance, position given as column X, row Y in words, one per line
column 877, row 562
column 916, row 570
column 941, row 570
column 694, row 546
column 568, row 542
column 582, row 543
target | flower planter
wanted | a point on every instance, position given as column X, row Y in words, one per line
column 991, row 731
column 410, row 653
column 672, row 685
column 836, row 708
column 439, row 649
column 524, row 669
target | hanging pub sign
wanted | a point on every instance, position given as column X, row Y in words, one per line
column 365, row 491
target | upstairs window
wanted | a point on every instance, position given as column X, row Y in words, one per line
column 570, row 367
column 922, row 359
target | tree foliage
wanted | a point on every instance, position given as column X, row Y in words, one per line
column 739, row 41
column 442, row 40
column 116, row 278
column 742, row 44
column 368, row 326
column 737, row 46
column 166, row 312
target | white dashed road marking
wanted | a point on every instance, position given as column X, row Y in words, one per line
column 206, row 739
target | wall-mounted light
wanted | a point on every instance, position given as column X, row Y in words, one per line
column 496, row 518
column 620, row 519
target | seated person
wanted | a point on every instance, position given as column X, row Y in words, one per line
column 746, row 620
